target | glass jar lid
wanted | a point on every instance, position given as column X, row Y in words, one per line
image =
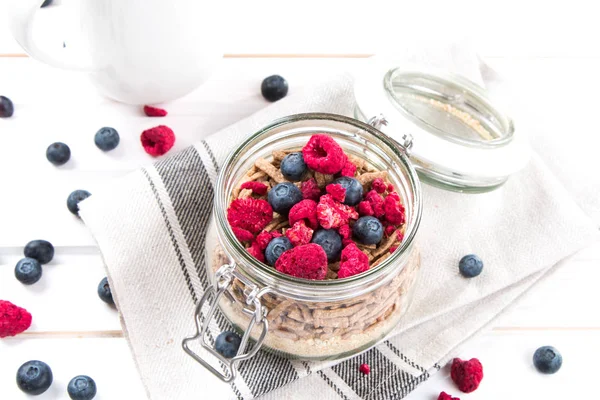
column 460, row 140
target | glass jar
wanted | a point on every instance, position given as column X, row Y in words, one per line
column 298, row 318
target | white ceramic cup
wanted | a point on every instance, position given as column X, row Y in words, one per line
column 139, row 51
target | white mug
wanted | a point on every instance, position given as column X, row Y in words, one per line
column 140, row 51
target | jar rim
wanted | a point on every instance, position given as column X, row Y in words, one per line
column 239, row 252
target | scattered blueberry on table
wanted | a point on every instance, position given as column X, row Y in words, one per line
column 74, row 198
column 34, row 377
column 470, row 266
column 354, row 190
column 6, row 107
column 274, row 88
column 47, row 3
column 104, row 292
column 107, row 138
column 28, row 271
column 58, row 153
column 330, row 241
column 283, row 196
column 275, row 248
column 41, row 250
column 368, row 230
column 293, row 167
column 82, row 387
column 227, row 344
column 547, row 360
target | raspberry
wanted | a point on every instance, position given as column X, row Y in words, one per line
column 394, row 210
column 242, row 235
column 276, row 234
column 347, row 241
column 305, row 210
column 337, row 191
column 332, row 214
column 310, row 190
column 377, row 203
column 256, row 252
column 389, row 229
column 13, row 319
column 365, row 369
column 249, row 214
column 348, row 170
column 258, row 188
column 158, row 140
column 446, row 396
column 299, row 234
column 324, row 155
column 364, row 208
column 467, row 374
column 345, row 231
column 390, row 188
column 154, row 111
column 263, row 239
column 353, row 261
column 393, row 249
column 308, row 261
column 379, row 185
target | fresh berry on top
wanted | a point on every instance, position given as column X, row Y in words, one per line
column 82, row 387
column 158, row 140
column 348, row 170
column 310, row 189
column 75, row 198
column 107, row 139
column 446, row 396
column 379, row 185
column 308, row 261
column 324, row 155
column 376, row 202
column 547, row 360
column 6, row 107
column 293, row 167
column 305, row 210
column 34, row 377
column 470, row 266
column 337, row 191
column 368, row 230
column 41, row 250
column 274, row 88
column 227, row 344
column 249, row 214
column 299, row 234
column 354, row 190
column 330, row 241
column 28, row 271
column 467, row 374
column 275, row 248
column 13, row 319
column 365, row 208
column 258, row 188
column 104, row 292
column 58, row 153
column 394, row 210
column 332, row 214
column 353, row 261
column 154, row 111
column 283, row 197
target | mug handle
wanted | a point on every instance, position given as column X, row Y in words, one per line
column 21, row 14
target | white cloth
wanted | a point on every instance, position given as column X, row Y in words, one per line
column 149, row 227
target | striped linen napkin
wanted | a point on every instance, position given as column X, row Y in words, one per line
column 151, row 228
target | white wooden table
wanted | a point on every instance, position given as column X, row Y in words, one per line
column 75, row 333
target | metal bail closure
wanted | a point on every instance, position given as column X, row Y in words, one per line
column 407, row 140
column 223, row 279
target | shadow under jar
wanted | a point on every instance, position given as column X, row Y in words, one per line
column 314, row 319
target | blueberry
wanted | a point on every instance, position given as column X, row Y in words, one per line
column 74, row 198
column 283, row 196
column 34, row 377
column 368, row 230
column 58, row 153
column 470, row 266
column 104, row 292
column 274, row 88
column 47, row 3
column 82, row 387
column 354, row 190
column 276, row 247
column 330, row 241
column 41, row 250
column 6, row 107
column 293, row 167
column 547, row 360
column 107, row 139
column 28, row 271
column 227, row 344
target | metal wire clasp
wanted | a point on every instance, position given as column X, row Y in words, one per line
column 223, row 279
column 407, row 140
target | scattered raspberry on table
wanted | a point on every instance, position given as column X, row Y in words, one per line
column 365, row 369
column 467, row 374
column 13, row 319
column 155, row 111
column 446, row 396
column 158, row 140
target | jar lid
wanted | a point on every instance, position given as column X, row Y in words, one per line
column 460, row 140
